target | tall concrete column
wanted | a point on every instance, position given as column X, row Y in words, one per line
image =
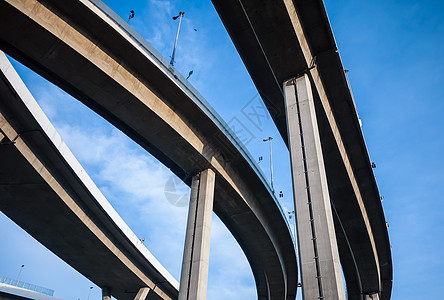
column 106, row 293
column 374, row 296
column 196, row 255
column 142, row 293
column 318, row 251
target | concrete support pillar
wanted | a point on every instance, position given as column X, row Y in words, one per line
column 374, row 296
column 194, row 275
column 142, row 293
column 318, row 251
column 106, row 293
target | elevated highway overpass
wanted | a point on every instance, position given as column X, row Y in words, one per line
column 279, row 41
column 44, row 189
column 88, row 51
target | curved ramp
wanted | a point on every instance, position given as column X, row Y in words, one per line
column 44, row 189
column 91, row 53
column 282, row 39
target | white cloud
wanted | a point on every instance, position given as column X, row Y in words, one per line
column 230, row 275
column 131, row 179
column 134, row 183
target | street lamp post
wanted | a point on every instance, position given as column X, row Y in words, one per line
column 130, row 16
column 20, row 272
column 177, row 36
column 90, row 288
column 271, row 162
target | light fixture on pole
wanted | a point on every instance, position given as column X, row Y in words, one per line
column 20, row 272
column 271, row 162
column 90, row 288
column 130, row 16
column 177, row 36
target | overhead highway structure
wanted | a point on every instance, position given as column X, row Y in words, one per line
column 90, row 52
column 45, row 190
column 281, row 42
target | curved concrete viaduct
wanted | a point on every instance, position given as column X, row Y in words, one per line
column 44, row 190
column 280, row 40
column 84, row 48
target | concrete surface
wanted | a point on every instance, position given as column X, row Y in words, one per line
column 196, row 257
column 142, row 294
column 282, row 39
column 374, row 296
column 91, row 53
column 318, row 251
column 44, row 189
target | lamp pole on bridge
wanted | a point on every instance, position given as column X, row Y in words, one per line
column 177, row 36
column 89, row 294
column 20, row 272
column 271, row 162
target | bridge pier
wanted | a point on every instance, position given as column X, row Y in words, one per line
column 106, row 293
column 321, row 274
column 194, row 274
column 142, row 293
column 374, row 296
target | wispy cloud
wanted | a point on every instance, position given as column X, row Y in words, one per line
column 135, row 183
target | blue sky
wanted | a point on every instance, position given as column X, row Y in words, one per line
column 393, row 50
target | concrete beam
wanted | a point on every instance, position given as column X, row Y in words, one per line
column 278, row 40
column 142, row 293
column 374, row 296
column 318, row 250
column 43, row 186
column 319, row 86
column 314, row 73
column 194, row 275
column 98, row 58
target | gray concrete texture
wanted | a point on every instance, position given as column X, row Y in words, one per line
column 44, row 190
column 282, row 39
column 106, row 293
column 373, row 296
column 142, row 294
column 78, row 45
column 195, row 263
column 318, row 252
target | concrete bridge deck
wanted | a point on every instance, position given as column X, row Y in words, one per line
column 84, row 48
column 282, row 39
column 44, row 189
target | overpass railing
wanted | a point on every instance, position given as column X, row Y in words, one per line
column 27, row 286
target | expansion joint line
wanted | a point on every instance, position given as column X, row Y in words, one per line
column 259, row 43
column 309, row 202
column 193, row 236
